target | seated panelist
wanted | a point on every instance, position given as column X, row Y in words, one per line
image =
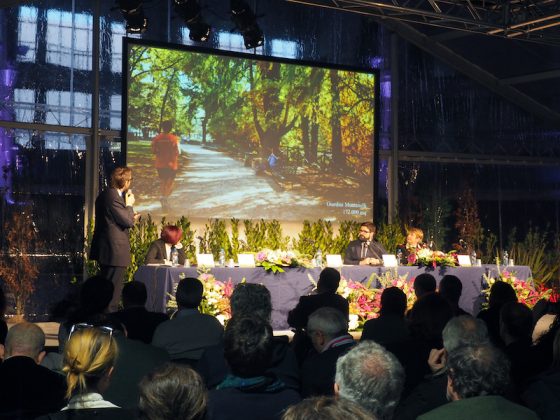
column 414, row 238
column 161, row 248
column 364, row 250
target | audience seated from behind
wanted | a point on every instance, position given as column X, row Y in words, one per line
column 500, row 294
column 516, row 326
column 543, row 349
column 391, row 326
column 28, row 390
column 478, row 376
column 326, row 296
column 249, row 392
column 135, row 360
column 172, row 392
column 327, row 408
column 450, row 288
column 372, row 377
column 251, row 299
column 426, row 321
column 328, row 331
column 543, row 391
column 89, row 360
column 189, row 332
column 430, row 393
column 139, row 322
column 424, row 284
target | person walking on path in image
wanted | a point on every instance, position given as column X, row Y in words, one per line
column 165, row 147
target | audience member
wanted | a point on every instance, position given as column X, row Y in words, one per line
column 28, row 390
column 249, row 392
column 172, row 392
column 326, row 296
column 134, row 360
column 189, row 333
column 372, row 377
column 500, row 294
column 477, row 379
column 516, row 326
column 424, row 284
column 250, row 299
column 327, row 408
column 160, row 249
column 450, row 288
column 543, row 392
column 140, row 324
column 460, row 331
column 328, row 331
column 89, row 360
column 391, row 326
column 544, row 314
column 427, row 318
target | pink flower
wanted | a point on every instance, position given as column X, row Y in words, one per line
column 412, row 258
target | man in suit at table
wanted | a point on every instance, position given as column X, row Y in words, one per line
column 364, row 250
column 114, row 216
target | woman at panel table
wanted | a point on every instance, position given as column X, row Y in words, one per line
column 161, row 248
column 414, row 238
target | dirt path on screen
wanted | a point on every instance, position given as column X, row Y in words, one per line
column 214, row 185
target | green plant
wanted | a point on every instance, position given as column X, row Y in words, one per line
column 391, row 235
column 218, row 238
column 92, row 267
column 188, row 238
column 255, row 234
column 144, row 232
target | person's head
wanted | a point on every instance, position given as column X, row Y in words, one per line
column 171, row 234
column 25, row 339
column 329, row 279
column 450, row 288
column 367, row 231
column 423, row 284
column 475, row 371
column 95, row 295
column 464, row 330
column 500, row 293
column 166, row 126
column 189, row 293
column 324, row 325
column 134, row 293
column 172, row 391
column 121, row 178
column 248, row 346
column 393, row 301
column 372, row 377
column 89, row 357
column 414, row 236
column 327, row 408
column 250, row 299
column 428, row 317
column 516, row 322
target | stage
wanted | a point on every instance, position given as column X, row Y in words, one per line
column 287, row 287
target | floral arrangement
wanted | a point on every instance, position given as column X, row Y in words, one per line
column 427, row 257
column 365, row 301
column 215, row 299
column 275, row 260
column 526, row 292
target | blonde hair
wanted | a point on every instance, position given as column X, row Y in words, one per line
column 416, row 232
column 88, row 355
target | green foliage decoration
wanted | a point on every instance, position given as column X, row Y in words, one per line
column 390, row 235
column 144, row 232
column 92, row 267
column 188, row 238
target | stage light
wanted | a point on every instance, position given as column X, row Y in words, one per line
column 133, row 13
column 246, row 21
column 189, row 11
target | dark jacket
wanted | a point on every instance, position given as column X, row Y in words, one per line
column 353, row 254
column 297, row 318
column 157, row 253
column 140, row 323
column 110, row 244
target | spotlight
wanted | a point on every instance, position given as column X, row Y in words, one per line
column 189, row 11
column 246, row 21
column 133, row 13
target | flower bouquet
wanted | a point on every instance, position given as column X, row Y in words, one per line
column 526, row 292
column 427, row 257
column 275, row 260
column 362, row 301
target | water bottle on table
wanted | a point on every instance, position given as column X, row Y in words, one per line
column 174, row 257
column 319, row 258
column 505, row 259
column 222, row 258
